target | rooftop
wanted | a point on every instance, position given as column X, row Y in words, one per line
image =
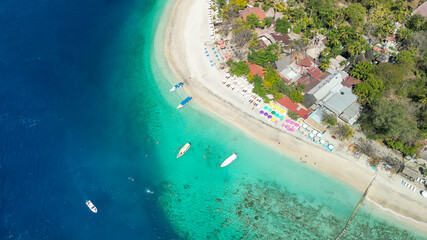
column 306, row 62
column 350, row 81
column 421, row 10
column 256, row 10
column 314, row 72
column 322, row 89
column 282, row 38
column 283, row 63
column 294, row 107
column 340, row 100
column 351, row 113
column 255, row 69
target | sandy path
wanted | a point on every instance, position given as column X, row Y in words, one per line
column 186, row 34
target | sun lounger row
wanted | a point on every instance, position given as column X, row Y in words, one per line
column 422, row 181
column 409, row 186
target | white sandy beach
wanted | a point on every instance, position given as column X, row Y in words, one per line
column 186, row 34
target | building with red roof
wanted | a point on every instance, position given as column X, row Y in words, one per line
column 350, row 81
column 255, row 69
column 294, row 107
column 378, row 49
column 306, row 62
column 314, row 72
column 256, row 10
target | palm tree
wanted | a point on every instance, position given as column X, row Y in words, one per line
column 355, row 48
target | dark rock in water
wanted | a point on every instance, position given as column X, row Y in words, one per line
column 186, row 186
column 179, row 200
column 218, row 200
column 256, row 217
column 251, row 204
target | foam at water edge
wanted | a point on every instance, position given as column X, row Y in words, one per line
column 394, row 213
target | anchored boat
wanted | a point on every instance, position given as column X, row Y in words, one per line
column 176, row 87
column 183, row 150
column 183, row 103
column 229, row 160
column 92, row 207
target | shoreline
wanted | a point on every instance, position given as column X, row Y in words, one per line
column 183, row 50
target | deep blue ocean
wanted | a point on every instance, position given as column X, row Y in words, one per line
column 65, row 131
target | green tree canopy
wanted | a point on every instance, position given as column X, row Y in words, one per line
column 362, row 70
column 292, row 115
column 390, row 119
column 282, row 25
column 324, row 63
column 252, row 20
column 239, row 3
column 238, row 68
column 391, row 74
column 262, row 57
column 343, row 131
column 270, row 77
column 296, row 96
column 266, row 22
column 417, row 23
column 329, row 119
column 369, row 90
column 356, row 14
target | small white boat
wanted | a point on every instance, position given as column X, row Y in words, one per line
column 183, row 150
column 229, row 160
column 184, row 102
column 92, row 207
column 176, row 87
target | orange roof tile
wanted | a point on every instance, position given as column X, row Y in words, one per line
column 255, row 69
column 257, row 10
column 294, row 107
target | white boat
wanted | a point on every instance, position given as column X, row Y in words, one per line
column 229, row 160
column 184, row 102
column 176, row 87
column 183, row 150
column 91, row 206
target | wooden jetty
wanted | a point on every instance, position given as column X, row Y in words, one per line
column 356, row 209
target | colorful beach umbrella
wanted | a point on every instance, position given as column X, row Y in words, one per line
column 269, row 116
column 281, row 117
column 273, row 119
column 277, row 115
column 271, row 104
column 265, row 114
column 291, row 130
column 261, row 112
column 273, row 112
column 265, row 107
